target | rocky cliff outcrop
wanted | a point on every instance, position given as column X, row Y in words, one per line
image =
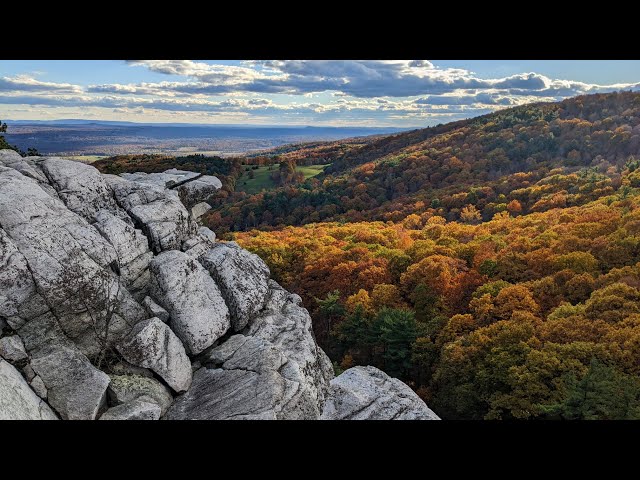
column 115, row 304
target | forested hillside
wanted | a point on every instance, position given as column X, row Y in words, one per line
column 493, row 264
column 524, row 159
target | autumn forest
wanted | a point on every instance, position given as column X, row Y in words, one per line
column 493, row 264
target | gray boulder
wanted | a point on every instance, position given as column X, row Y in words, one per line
column 126, row 388
column 17, row 400
column 198, row 190
column 243, row 279
column 253, row 380
column 75, row 388
column 28, row 372
column 12, row 349
column 152, row 344
column 366, row 393
column 157, row 211
column 134, row 410
column 199, row 315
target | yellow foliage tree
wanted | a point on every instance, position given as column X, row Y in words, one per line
column 470, row 214
column 359, row 299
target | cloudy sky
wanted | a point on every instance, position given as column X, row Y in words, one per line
column 400, row 93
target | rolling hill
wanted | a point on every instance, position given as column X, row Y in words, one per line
column 486, row 162
column 493, row 264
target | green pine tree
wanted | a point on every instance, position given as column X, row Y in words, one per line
column 603, row 393
column 395, row 332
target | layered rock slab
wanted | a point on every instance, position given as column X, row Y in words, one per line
column 254, row 381
column 75, row 388
column 366, row 393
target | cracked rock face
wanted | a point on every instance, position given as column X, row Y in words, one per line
column 287, row 325
column 160, row 214
column 198, row 313
column 131, row 247
column 366, row 393
column 243, row 278
column 115, row 304
column 254, row 380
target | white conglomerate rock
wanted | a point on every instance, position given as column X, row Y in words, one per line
column 199, row 315
column 112, row 296
column 367, row 393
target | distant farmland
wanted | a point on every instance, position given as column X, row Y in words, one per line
column 262, row 177
column 105, row 140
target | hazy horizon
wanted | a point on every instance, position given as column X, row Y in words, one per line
column 343, row 93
